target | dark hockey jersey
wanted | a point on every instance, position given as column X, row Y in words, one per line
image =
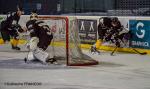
column 11, row 21
column 39, row 29
column 32, row 28
column 107, row 22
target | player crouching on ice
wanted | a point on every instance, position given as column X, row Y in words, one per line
column 40, row 38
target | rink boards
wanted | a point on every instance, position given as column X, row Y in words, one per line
column 89, row 22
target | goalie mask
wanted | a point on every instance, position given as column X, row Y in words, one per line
column 33, row 16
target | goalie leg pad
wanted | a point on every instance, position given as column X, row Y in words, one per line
column 32, row 44
column 40, row 55
column 30, row 56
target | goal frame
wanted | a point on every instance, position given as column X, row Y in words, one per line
column 66, row 18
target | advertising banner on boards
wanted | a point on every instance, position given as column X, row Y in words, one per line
column 140, row 33
column 87, row 31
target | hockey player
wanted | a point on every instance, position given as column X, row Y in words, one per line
column 106, row 29
column 113, row 33
column 103, row 27
column 10, row 28
column 40, row 38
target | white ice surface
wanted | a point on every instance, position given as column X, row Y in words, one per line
column 122, row 71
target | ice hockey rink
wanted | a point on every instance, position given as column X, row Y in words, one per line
column 121, row 71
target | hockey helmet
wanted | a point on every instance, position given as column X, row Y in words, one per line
column 19, row 10
column 115, row 19
column 33, row 16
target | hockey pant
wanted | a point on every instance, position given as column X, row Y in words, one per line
column 6, row 36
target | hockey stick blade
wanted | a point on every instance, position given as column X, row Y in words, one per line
column 141, row 53
column 144, row 53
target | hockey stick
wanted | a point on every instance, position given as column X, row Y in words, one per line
column 141, row 53
column 113, row 51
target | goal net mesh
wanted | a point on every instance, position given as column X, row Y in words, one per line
column 65, row 45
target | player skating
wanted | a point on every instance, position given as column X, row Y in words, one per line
column 109, row 30
column 10, row 28
column 41, row 37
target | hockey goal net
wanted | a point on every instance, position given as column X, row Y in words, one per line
column 65, row 45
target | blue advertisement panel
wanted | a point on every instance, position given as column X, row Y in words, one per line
column 141, row 33
column 87, row 31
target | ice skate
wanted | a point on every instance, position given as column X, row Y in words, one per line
column 51, row 61
column 15, row 48
column 94, row 50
